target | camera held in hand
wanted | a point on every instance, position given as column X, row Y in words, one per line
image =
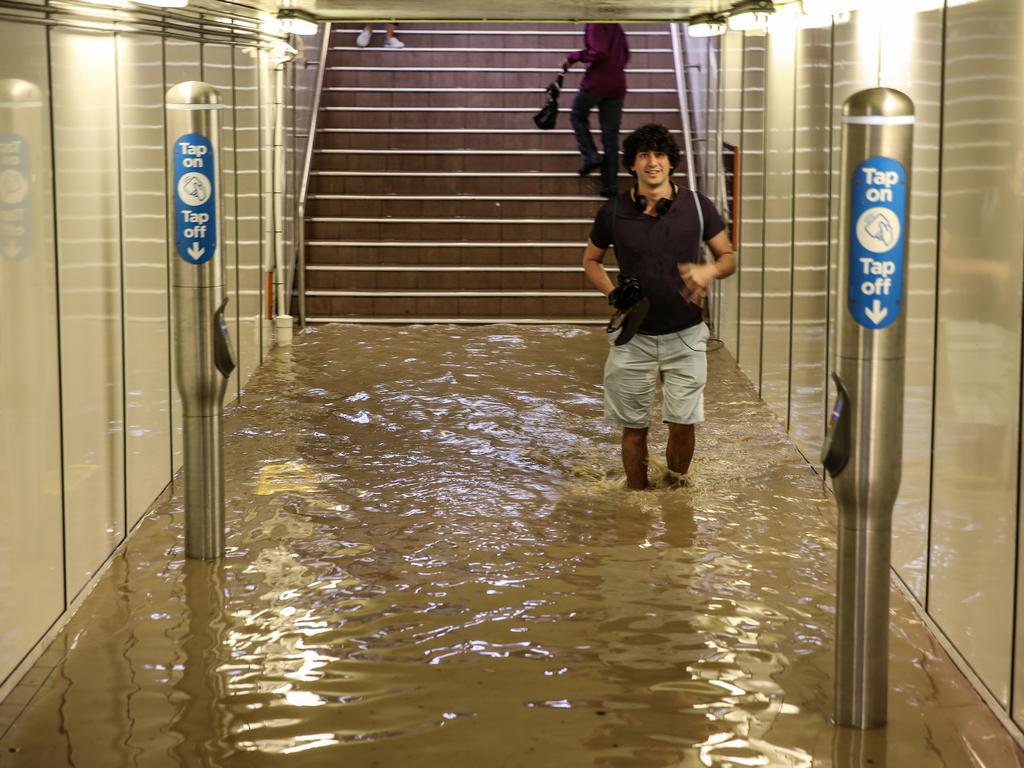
column 627, row 293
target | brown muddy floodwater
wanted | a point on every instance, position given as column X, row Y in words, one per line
column 432, row 561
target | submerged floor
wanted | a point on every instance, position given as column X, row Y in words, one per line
column 431, row 559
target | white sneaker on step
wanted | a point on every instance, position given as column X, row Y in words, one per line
column 363, row 38
column 394, row 42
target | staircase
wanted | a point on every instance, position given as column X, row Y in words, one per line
column 432, row 196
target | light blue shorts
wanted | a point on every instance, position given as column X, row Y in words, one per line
column 632, row 371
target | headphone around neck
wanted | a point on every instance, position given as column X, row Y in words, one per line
column 661, row 207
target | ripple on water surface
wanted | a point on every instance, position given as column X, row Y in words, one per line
column 432, row 557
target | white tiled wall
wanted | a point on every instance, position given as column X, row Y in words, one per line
column 89, row 416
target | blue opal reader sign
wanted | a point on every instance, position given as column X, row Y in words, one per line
column 15, row 197
column 878, row 209
column 195, row 214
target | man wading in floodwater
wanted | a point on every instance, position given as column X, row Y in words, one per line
column 656, row 229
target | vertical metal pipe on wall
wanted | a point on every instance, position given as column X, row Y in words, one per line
column 282, row 320
column 684, row 106
column 300, row 215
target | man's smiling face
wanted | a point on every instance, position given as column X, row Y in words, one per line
column 651, row 167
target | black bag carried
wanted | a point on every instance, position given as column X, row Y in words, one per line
column 548, row 115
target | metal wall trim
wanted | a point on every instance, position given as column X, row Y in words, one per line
column 57, row 307
column 121, row 273
column 300, row 214
column 792, row 237
column 684, row 106
column 826, row 412
column 961, row 663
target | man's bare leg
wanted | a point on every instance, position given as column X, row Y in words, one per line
column 634, row 457
column 679, row 452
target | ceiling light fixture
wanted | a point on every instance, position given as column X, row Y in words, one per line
column 164, row 3
column 827, row 7
column 750, row 15
column 295, row 22
column 706, row 25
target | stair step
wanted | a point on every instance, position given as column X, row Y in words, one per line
column 357, row 280
column 496, row 119
column 433, row 198
column 460, row 268
column 408, row 320
column 480, row 56
column 405, row 182
column 494, row 306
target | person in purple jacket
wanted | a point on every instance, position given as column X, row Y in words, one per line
column 605, row 52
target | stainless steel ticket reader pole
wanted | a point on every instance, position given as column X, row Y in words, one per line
column 864, row 444
column 201, row 342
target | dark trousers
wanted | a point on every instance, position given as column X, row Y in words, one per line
column 609, row 112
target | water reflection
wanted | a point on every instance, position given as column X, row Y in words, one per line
column 200, row 685
column 30, row 458
column 855, row 749
column 461, row 578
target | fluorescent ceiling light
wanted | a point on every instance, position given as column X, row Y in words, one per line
column 748, row 20
column 751, row 15
column 104, row 4
column 164, row 3
column 706, row 25
column 827, row 7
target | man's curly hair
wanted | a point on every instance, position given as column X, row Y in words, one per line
column 650, row 138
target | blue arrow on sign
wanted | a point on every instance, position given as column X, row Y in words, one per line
column 878, row 207
column 195, row 203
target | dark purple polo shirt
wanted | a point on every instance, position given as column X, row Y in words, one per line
column 649, row 248
column 606, row 52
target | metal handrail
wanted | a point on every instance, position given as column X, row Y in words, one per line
column 684, row 105
column 300, row 212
